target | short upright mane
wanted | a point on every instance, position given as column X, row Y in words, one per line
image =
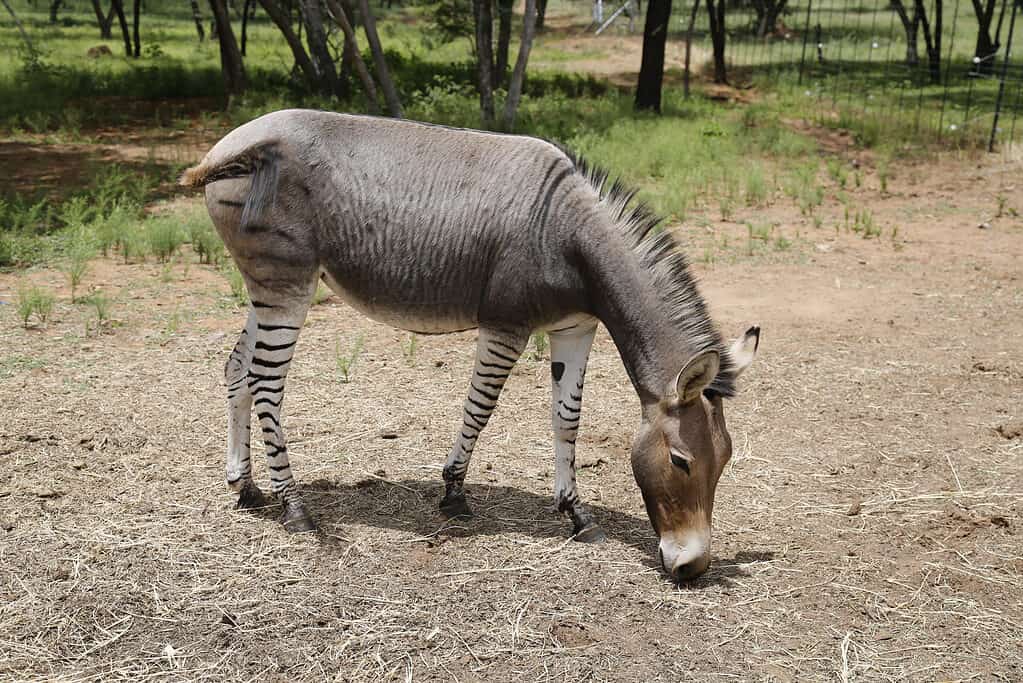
column 660, row 254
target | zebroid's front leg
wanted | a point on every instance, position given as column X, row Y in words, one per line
column 496, row 355
column 569, row 354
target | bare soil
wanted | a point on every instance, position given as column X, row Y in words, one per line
column 867, row 528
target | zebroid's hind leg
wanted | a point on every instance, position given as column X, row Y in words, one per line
column 239, row 409
column 496, row 355
column 278, row 322
column 569, row 354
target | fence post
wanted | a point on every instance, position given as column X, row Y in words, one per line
column 1001, row 81
column 806, row 36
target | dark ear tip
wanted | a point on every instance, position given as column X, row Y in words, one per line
column 755, row 331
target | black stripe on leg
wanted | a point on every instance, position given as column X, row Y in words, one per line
column 492, row 397
column 275, row 404
column 503, row 357
column 269, row 416
column 507, row 346
column 496, row 365
column 263, row 346
column 274, row 328
column 269, row 363
column 481, row 406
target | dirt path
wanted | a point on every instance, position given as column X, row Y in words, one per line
column 868, row 527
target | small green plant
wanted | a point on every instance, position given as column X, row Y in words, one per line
column 134, row 247
column 77, row 265
column 206, row 243
column 164, row 238
column 864, row 224
column 237, row 282
column 32, row 299
column 346, row 362
column 883, row 171
column 781, row 243
column 540, row 345
column 408, row 348
column 101, row 304
column 321, row 294
column 26, row 303
column 838, row 172
column 1003, row 201
column 858, row 178
column 756, row 187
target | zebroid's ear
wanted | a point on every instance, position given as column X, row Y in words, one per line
column 697, row 375
column 744, row 350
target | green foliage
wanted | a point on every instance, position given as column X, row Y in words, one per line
column 409, row 347
column 164, row 237
column 101, row 304
column 345, row 362
column 32, row 299
column 321, row 294
column 76, row 265
column 540, row 346
column 756, row 186
column 237, row 282
column 207, row 245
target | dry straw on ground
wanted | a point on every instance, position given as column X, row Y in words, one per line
column 868, row 527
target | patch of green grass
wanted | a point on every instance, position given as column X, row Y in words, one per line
column 541, row 344
column 237, row 282
column 756, row 186
column 409, row 348
column 345, row 362
column 34, row 300
column 164, row 237
column 76, row 266
column 100, row 302
column 12, row 365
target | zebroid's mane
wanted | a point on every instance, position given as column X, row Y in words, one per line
column 660, row 255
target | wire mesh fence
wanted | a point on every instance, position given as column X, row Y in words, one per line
column 928, row 67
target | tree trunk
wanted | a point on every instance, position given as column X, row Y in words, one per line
column 197, row 18
column 511, row 105
column 932, row 41
column 986, row 48
column 651, row 69
column 135, row 17
column 245, row 24
column 231, row 65
column 910, row 26
column 119, row 11
column 21, row 29
column 369, row 25
column 689, row 43
column 352, row 51
column 54, row 6
column 767, row 23
column 484, row 59
column 281, row 17
column 504, row 28
column 717, row 38
column 541, row 14
column 316, row 38
column 104, row 21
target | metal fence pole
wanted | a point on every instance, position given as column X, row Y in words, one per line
column 806, row 36
column 948, row 70
column 1005, row 71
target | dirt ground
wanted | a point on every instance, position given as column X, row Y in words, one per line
column 868, row 526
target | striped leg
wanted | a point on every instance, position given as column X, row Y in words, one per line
column 277, row 329
column 496, row 355
column 569, row 353
column 239, row 409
